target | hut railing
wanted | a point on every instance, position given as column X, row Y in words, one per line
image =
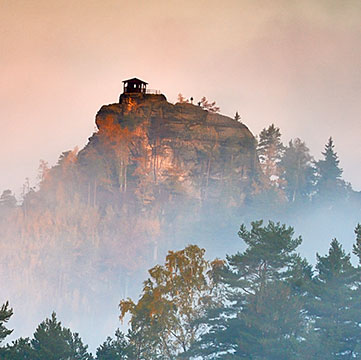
column 153, row 91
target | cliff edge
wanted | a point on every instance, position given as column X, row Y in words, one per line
column 153, row 146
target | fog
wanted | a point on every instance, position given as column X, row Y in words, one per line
column 69, row 249
column 63, row 254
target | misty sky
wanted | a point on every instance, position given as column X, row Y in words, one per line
column 293, row 63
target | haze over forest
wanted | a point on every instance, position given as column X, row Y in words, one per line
column 256, row 125
column 154, row 177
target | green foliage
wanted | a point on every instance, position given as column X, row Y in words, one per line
column 335, row 307
column 270, row 250
column 54, row 342
column 20, row 349
column 51, row 342
column 270, row 141
column 261, row 314
column 270, row 150
column 114, row 349
column 357, row 247
column 297, row 171
column 329, row 183
column 5, row 314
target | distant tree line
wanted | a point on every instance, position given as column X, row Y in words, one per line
column 52, row 341
column 265, row 302
column 294, row 176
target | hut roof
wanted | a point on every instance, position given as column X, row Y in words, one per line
column 135, row 80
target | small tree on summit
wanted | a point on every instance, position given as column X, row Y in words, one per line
column 181, row 99
column 237, row 117
column 211, row 107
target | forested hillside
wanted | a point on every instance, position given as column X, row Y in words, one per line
column 155, row 176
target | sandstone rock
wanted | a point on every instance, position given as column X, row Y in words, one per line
column 182, row 143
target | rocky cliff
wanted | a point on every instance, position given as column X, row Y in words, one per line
column 155, row 146
column 155, row 176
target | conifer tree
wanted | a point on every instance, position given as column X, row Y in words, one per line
column 5, row 314
column 237, row 117
column 270, row 150
column 53, row 342
column 20, row 349
column 297, row 171
column 114, row 349
column 329, row 183
column 262, row 315
column 335, row 306
column 357, row 247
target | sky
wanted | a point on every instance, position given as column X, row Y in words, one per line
column 294, row 63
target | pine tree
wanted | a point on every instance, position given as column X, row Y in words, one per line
column 78, row 349
column 209, row 106
column 357, row 296
column 270, row 150
column 237, row 117
column 262, row 315
column 297, row 171
column 114, row 349
column 357, row 247
column 20, row 349
column 53, row 342
column 329, row 183
column 5, row 314
column 334, row 308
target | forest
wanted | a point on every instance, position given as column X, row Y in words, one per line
column 180, row 180
column 103, row 215
column 266, row 302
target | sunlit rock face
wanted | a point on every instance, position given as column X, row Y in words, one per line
column 154, row 177
column 181, row 149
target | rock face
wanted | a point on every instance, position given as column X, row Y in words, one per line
column 180, row 148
